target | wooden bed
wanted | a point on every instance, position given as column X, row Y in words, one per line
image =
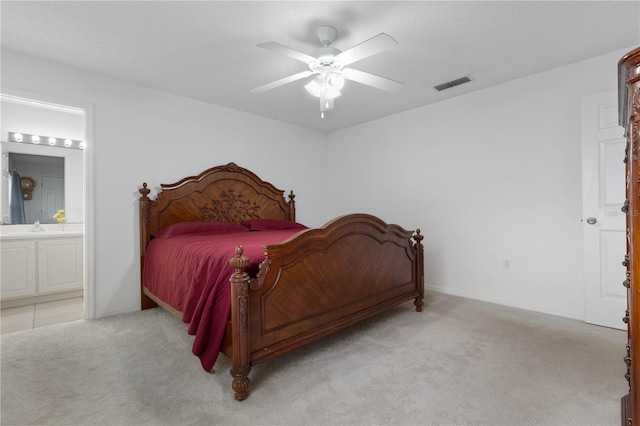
column 315, row 283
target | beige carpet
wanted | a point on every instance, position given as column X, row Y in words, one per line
column 460, row 362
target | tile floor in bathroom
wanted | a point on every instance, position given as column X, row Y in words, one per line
column 40, row 314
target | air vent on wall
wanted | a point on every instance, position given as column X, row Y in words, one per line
column 452, row 83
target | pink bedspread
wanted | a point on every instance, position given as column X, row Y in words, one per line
column 191, row 273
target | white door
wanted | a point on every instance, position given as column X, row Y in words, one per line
column 603, row 222
column 52, row 197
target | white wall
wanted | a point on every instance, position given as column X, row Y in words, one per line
column 492, row 175
column 43, row 120
column 143, row 135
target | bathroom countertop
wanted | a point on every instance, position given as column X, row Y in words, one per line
column 25, row 232
column 29, row 235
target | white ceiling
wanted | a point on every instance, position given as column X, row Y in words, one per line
column 207, row 50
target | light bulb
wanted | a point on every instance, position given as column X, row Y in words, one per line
column 335, row 81
column 83, row 145
column 68, row 143
column 52, row 141
column 35, row 139
column 17, row 137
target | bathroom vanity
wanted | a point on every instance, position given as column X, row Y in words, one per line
column 40, row 266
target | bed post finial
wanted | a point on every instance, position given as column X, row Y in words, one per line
column 419, row 301
column 144, row 217
column 239, row 262
column 240, row 324
column 292, row 207
column 144, row 191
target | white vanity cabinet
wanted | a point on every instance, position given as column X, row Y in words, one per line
column 44, row 264
column 18, row 268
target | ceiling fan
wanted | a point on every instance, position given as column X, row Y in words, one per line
column 328, row 65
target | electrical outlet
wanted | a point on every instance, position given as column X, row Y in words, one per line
column 506, row 264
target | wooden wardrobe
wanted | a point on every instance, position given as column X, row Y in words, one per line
column 629, row 116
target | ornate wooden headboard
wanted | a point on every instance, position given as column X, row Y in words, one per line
column 226, row 193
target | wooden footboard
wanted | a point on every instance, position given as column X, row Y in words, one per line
column 317, row 283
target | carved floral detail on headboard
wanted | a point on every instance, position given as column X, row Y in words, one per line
column 231, row 207
column 635, row 99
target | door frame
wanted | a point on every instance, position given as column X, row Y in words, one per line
column 87, row 109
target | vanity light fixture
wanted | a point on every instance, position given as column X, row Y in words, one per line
column 55, row 142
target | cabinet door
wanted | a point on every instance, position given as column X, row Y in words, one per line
column 60, row 265
column 18, row 269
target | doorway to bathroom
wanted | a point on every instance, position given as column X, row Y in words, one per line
column 46, row 270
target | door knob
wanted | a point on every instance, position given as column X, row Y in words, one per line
column 591, row 220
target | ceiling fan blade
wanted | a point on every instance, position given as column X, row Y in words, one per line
column 292, row 53
column 367, row 48
column 372, row 80
column 282, row 82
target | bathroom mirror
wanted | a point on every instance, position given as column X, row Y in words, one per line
column 59, row 170
column 41, row 187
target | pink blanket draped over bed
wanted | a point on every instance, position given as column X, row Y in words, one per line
column 191, row 273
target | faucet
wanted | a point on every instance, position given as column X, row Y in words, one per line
column 36, row 227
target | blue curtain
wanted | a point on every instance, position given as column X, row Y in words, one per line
column 16, row 204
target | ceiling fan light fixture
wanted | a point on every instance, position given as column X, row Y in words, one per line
column 325, row 87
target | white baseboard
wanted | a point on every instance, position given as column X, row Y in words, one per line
column 128, row 310
column 498, row 301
